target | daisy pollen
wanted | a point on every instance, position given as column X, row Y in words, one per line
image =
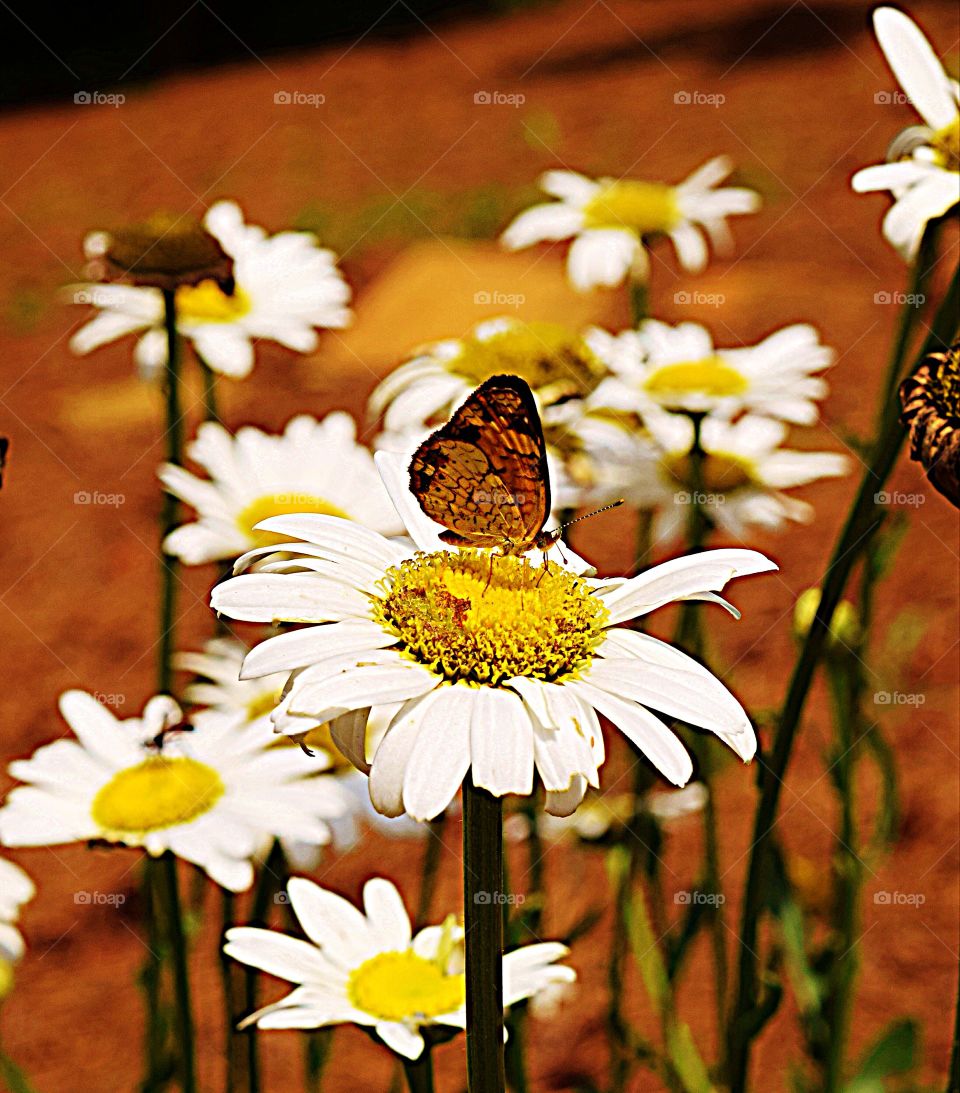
column 484, row 618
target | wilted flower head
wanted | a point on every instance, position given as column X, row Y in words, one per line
column 931, row 410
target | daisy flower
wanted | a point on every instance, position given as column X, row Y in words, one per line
column 924, row 172
column 253, row 701
column 212, row 796
column 744, row 472
column 16, row 888
column 612, row 220
column 500, row 668
column 367, row 968
column 313, row 466
column 285, row 287
column 678, row 368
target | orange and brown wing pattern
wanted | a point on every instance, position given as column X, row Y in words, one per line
column 483, row 475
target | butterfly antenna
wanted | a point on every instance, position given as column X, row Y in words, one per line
column 587, row 515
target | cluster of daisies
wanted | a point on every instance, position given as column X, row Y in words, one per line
column 399, row 664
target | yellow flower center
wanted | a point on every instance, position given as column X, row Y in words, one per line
column 281, row 504
column 721, row 472
column 644, row 207
column 946, row 143
column 557, row 363
column 400, row 986
column 711, row 377
column 262, row 704
column 160, row 792
column 208, row 303
column 483, row 617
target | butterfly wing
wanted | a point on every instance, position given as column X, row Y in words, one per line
column 483, row 475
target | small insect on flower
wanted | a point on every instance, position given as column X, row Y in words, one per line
column 484, row 474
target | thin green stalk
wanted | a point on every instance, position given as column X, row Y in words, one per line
column 315, row 1058
column 623, row 878
column 419, row 1072
column 183, row 1013
column 639, row 300
column 15, row 1079
column 431, row 864
column 860, row 525
column 150, row 979
column 209, row 390
column 483, row 922
column 234, row 1056
column 171, row 506
column 272, row 879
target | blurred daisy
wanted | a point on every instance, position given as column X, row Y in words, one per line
column 16, row 888
column 678, row 368
column 212, row 796
column 285, row 287
column 501, row 668
column 924, row 172
column 253, row 701
column 612, row 220
column 367, row 968
column 744, row 472
column 313, row 466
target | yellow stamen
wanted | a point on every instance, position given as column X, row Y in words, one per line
column 281, row 504
column 711, row 376
column 207, row 303
column 160, row 792
column 946, row 143
column 484, row 618
column 401, row 986
column 555, row 361
column 645, row 208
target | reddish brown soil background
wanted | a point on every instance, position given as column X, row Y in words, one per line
column 400, row 122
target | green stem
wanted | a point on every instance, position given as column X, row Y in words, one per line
column 209, row 390
column 273, row 876
column 639, row 300
column 419, row 1072
column 183, row 1013
column 233, row 1042
column 431, row 864
column 150, row 977
column 315, row 1058
column 860, row 525
column 15, row 1079
column 171, row 506
column 483, row 923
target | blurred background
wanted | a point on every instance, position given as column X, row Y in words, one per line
column 406, row 136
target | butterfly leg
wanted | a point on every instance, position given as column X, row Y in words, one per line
column 489, row 575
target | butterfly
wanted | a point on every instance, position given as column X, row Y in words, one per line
column 483, row 475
